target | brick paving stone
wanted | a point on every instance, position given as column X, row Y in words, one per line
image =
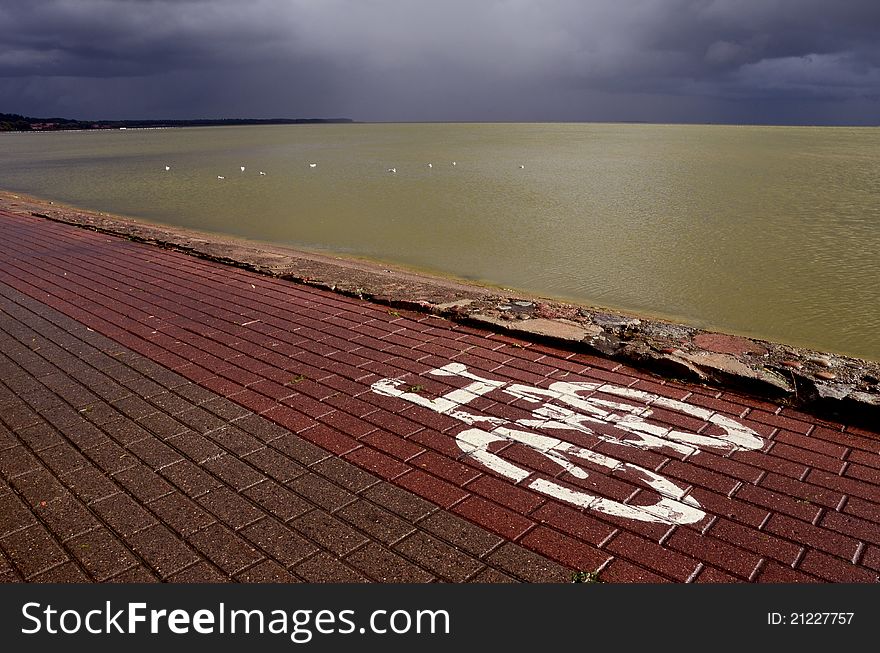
column 230, row 507
column 263, row 429
column 440, row 492
column 375, row 521
column 728, row 558
column 621, row 571
column 235, row 440
column 504, row 493
column 860, row 529
column 39, row 486
column 863, row 473
column 181, row 513
column 299, row 449
column 740, row 511
column 62, row 458
column 154, row 453
column 441, row 466
column 527, row 565
column 14, row 514
column 100, row 553
column 493, row 517
column 66, row 517
column 164, row 551
column 489, row 575
column 384, row 566
column 201, row 572
column 757, row 541
column 68, row 572
column 143, row 483
column 18, row 460
column 864, row 509
column 90, row 484
column 324, row 568
column 139, row 574
column 812, row 536
column 775, row 573
column 848, row 486
column 162, row 425
column 196, row 447
column 125, row 432
column 145, row 429
column 169, row 402
column 32, row 550
column 320, row 491
column 834, row 569
column 345, row 474
column 802, row 491
column 399, row 501
column 779, row 503
column 461, row 533
column 328, row 532
column 233, row 471
column 870, row 459
column 277, row 500
column 189, row 478
column 41, row 435
column 660, row 559
column 112, row 458
column 440, row 558
column 279, row 541
column 564, row 549
column 230, row 552
column 712, row 575
column 275, row 464
column 871, row 557
column 267, row 571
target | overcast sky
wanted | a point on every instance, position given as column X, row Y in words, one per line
column 771, row 61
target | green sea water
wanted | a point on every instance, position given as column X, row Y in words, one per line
column 772, row 232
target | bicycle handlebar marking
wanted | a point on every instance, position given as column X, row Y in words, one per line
column 563, row 407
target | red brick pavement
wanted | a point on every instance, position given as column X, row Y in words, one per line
column 272, row 457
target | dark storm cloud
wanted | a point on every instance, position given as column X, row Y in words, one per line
column 690, row 60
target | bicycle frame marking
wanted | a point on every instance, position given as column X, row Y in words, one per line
column 562, row 407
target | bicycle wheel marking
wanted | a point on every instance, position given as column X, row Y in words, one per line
column 563, row 407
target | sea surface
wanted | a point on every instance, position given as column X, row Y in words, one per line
column 771, row 232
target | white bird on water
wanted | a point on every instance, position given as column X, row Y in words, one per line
column 220, row 177
column 521, row 166
column 313, row 165
column 242, row 168
column 430, row 165
column 391, row 170
column 454, row 163
column 167, row 168
column 262, row 173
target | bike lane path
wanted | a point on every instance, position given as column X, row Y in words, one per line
column 535, row 451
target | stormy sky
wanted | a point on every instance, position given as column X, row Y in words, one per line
column 741, row 61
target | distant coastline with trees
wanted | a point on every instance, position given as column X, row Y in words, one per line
column 16, row 122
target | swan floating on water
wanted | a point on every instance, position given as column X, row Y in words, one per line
column 220, row 177
column 521, row 166
column 167, row 168
column 242, row 168
column 262, row 173
column 312, row 165
column 430, row 166
column 391, row 170
column 454, row 163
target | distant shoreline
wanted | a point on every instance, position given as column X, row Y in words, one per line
column 17, row 123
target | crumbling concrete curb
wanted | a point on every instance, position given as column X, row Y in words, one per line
column 822, row 383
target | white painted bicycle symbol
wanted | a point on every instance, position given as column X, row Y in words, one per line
column 566, row 406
